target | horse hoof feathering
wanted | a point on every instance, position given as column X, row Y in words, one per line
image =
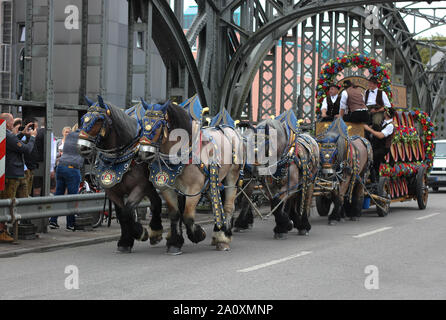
column 222, row 246
column 174, row 251
column 303, row 232
column 214, row 241
column 280, row 236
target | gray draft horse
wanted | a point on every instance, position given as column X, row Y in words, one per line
column 345, row 162
column 290, row 181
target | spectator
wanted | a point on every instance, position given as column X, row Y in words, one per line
column 17, row 124
column 61, row 142
column 32, row 159
column 15, row 184
column 68, row 175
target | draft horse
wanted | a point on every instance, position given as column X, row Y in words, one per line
column 114, row 135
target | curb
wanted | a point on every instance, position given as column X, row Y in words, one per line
column 73, row 244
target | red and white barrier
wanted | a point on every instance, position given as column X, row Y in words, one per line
column 2, row 153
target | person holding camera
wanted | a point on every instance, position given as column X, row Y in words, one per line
column 15, row 182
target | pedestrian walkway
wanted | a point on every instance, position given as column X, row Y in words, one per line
column 60, row 238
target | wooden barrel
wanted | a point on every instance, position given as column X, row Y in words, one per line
column 408, row 151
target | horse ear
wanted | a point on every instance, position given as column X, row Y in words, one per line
column 144, row 104
column 101, row 102
column 103, row 105
column 89, row 102
column 165, row 106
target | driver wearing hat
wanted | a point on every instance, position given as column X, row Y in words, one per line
column 375, row 100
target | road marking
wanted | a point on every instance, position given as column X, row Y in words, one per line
column 372, row 232
column 267, row 264
column 428, row 216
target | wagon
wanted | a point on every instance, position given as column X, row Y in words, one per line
column 404, row 175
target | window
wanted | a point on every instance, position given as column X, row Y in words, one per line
column 22, row 33
column 140, row 40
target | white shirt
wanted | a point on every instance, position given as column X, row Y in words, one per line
column 387, row 131
column 325, row 104
column 372, row 98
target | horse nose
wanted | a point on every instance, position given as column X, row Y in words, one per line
column 84, row 148
column 146, row 152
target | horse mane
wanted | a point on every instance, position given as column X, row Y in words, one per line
column 179, row 118
column 124, row 125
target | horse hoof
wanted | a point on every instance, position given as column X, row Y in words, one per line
column 303, row 232
column 122, row 249
column 332, row 222
column 222, row 246
column 354, row 219
column 174, row 251
column 145, row 235
column 250, row 226
column 155, row 240
column 280, row 236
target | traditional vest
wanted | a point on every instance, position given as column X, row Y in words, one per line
column 386, row 142
column 355, row 100
column 379, row 97
column 333, row 107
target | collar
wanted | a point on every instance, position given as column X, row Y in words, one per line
column 334, row 97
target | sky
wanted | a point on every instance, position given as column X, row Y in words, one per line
column 420, row 24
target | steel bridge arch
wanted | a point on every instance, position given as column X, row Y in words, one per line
column 247, row 58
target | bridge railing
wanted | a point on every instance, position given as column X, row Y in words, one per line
column 15, row 210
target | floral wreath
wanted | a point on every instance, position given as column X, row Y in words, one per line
column 333, row 66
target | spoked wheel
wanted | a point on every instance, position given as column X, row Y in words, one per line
column 422, row 189
column 323, row 205
column 384, row 190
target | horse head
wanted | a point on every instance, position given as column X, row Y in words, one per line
column 332, row 147
column 94, row 126
column 153, row 124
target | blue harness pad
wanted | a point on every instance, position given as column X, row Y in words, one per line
column 223, row 117
column 164, row 175
column 194, row 107
column 337, row 127
column 109, row 174
column 289, row 118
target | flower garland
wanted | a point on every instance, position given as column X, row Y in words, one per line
column 332, row 67
column 406, row 134
column 401, row 169
column 428, row 128
column 409, row 134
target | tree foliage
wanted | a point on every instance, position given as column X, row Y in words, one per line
column 426, row 52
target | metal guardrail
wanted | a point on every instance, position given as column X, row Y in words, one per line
column 14, row 210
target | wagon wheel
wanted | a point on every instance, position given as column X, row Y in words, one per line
column 422, row 189
column 384, row 190
column 323, row 205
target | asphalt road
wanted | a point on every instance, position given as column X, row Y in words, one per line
column 405, row 251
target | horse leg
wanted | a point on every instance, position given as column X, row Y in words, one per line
column 174, row 238
column 138, row 232
column 156, row 227
column 305, row 225
column 195, row 232
column 245, row 219
column 126, row 241
column 283, row 223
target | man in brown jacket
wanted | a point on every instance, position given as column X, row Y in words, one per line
column 353, row 101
